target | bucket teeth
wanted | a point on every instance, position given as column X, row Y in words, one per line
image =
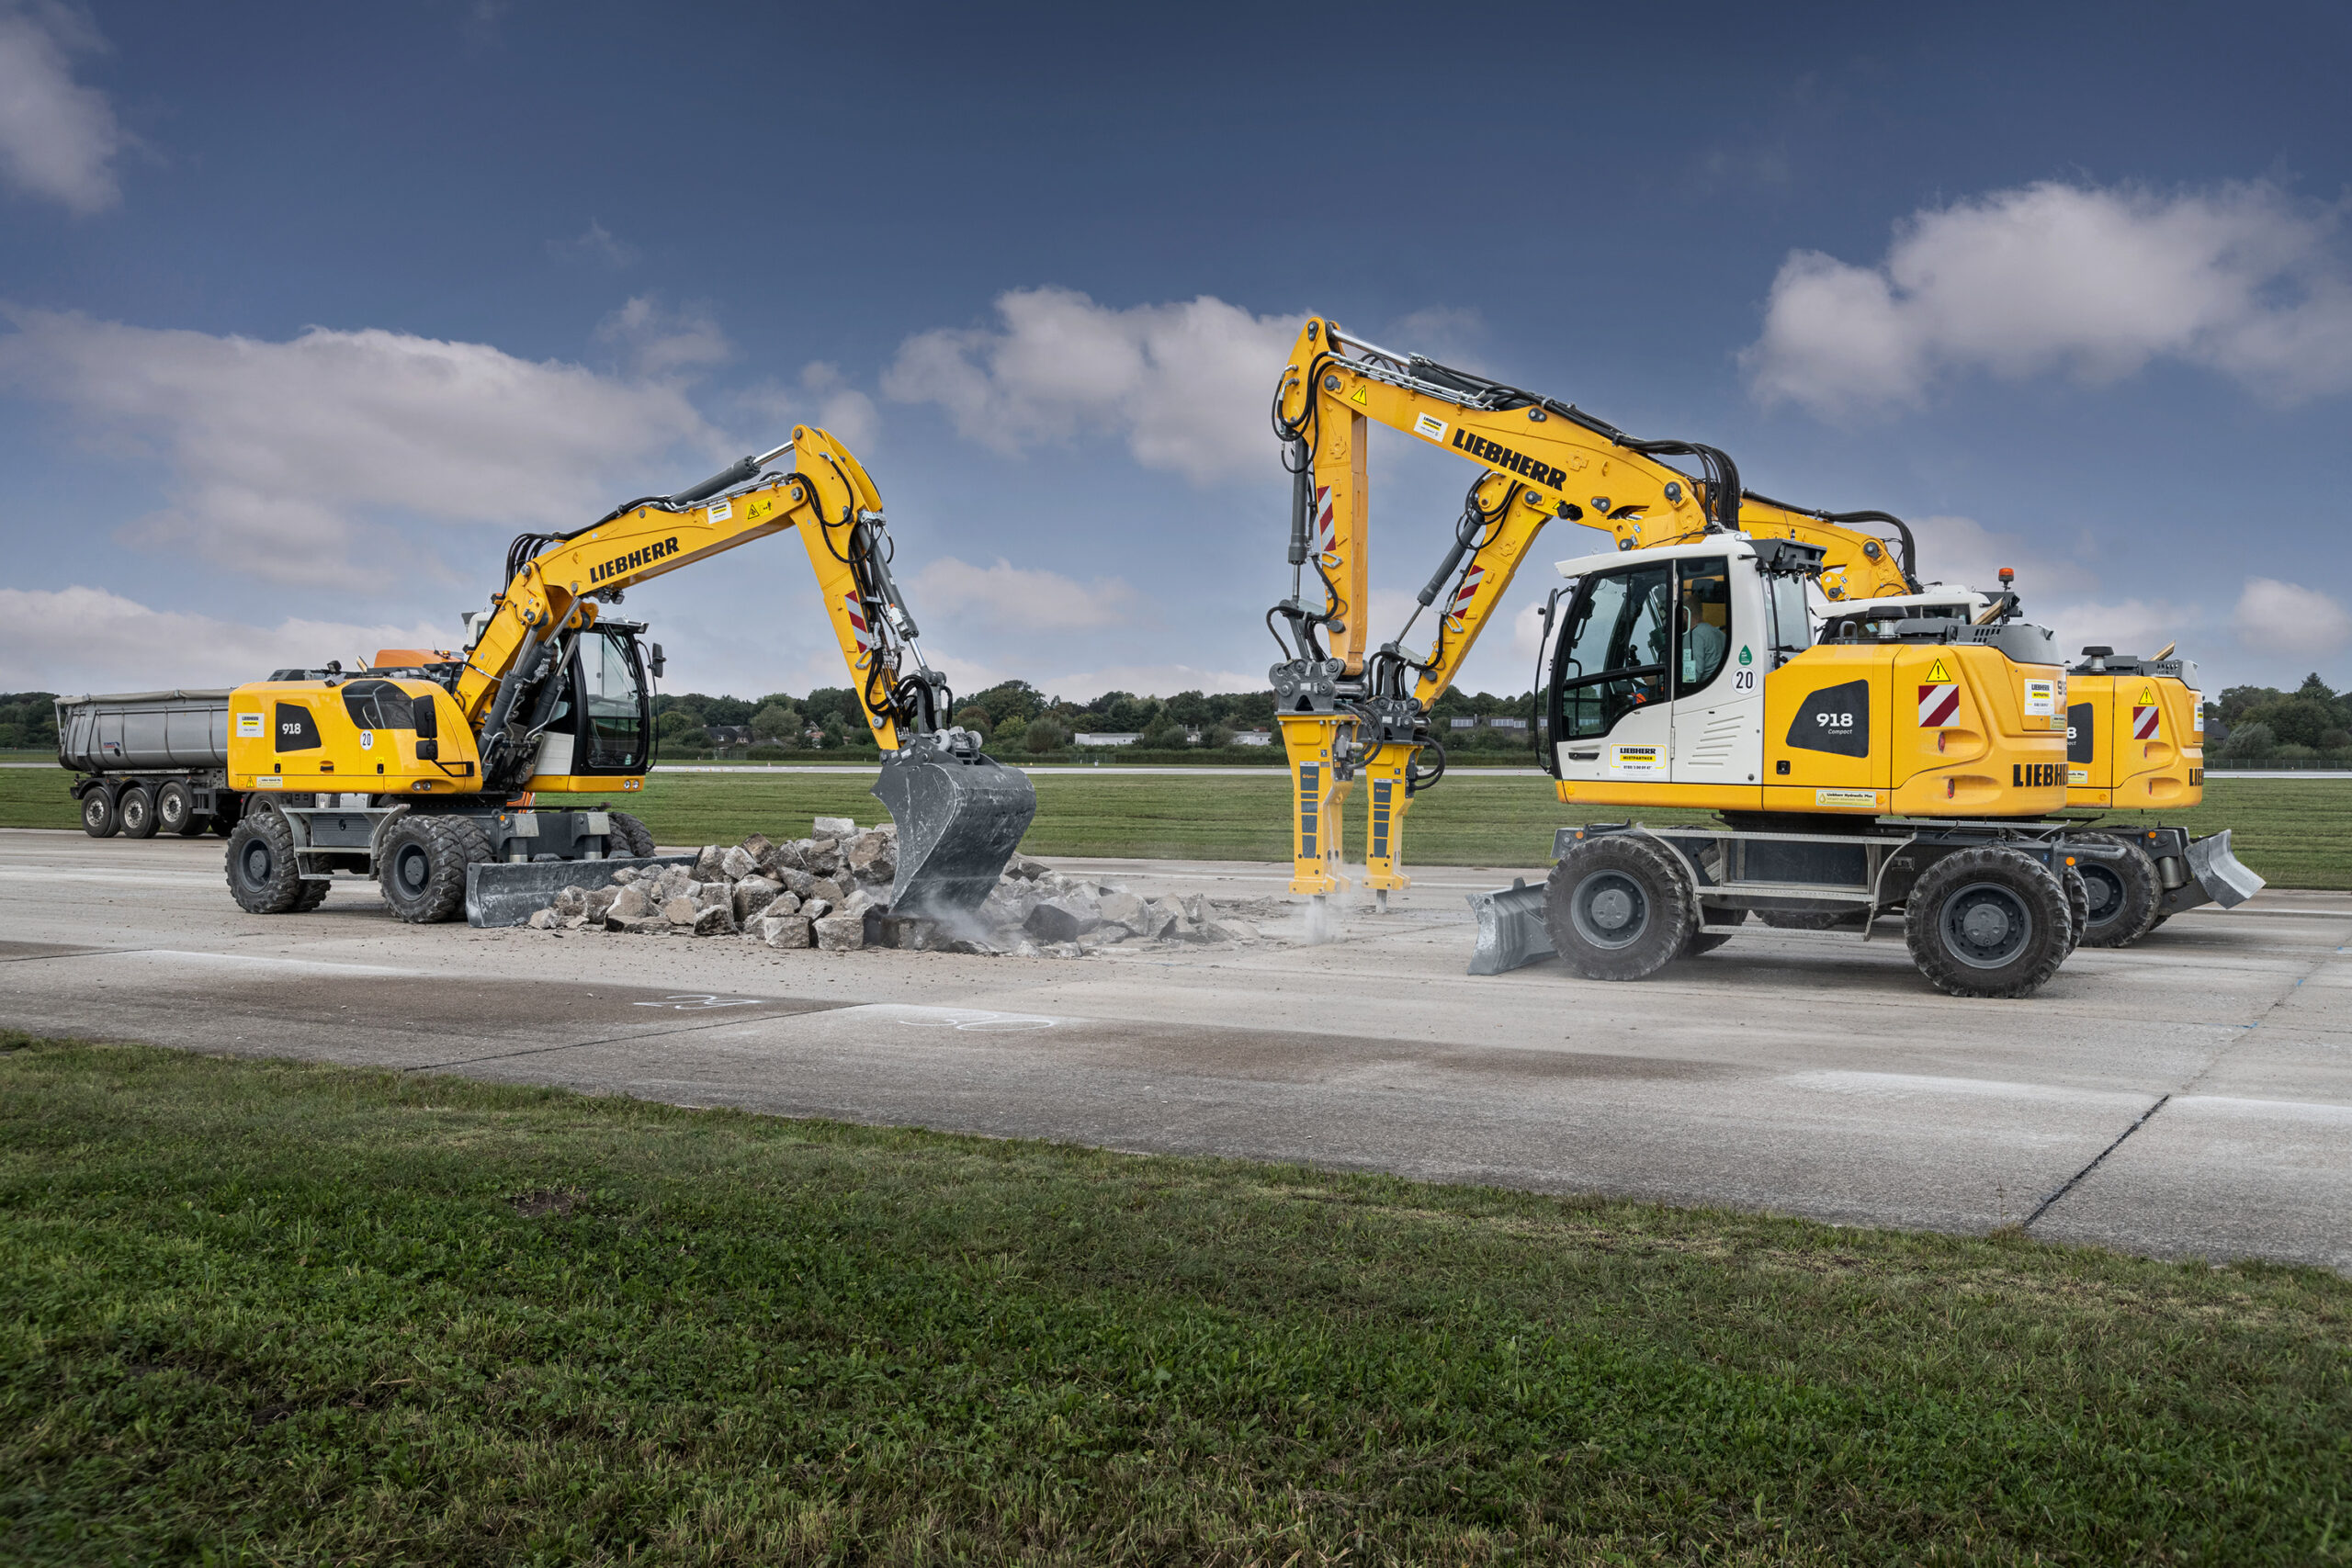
column 960, row 815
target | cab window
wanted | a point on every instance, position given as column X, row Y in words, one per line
column 613, row 735
column 1612, row 656
column 1704, row 621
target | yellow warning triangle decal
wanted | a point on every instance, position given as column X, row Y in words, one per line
column 1938, row 672
column 1359, row 398
column 2148, row 696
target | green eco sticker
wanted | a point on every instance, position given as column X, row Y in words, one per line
column 1744, row 656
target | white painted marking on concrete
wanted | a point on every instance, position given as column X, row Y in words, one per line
column 1906, row 1086
column 699, row 1001
column 247, row 960
column 964, row 1020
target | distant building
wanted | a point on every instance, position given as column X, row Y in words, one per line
column 729, row 734
column 1500, row 723
column 1253, row 738
column 1462, row 723
column 1126, row 740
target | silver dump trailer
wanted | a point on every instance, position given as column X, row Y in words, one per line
column 149, row 762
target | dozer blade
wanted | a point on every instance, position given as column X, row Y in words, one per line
column 507, row 893
column 960, row 816
column 1510, row 928
column 2225, row 879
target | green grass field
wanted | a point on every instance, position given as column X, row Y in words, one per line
column 2296, row 832
column 270, row 1313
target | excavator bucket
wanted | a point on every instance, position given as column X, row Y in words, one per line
column 2226, row 880
column 1510, row 928
column 960, row 816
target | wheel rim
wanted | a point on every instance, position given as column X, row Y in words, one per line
column 2105, row 890
column 173, row 812
column 94, row 811
column 1986, row 925
column 255, row 863
column 413, row 869
column 1609, row 910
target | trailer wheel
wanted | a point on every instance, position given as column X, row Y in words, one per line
column 1713, row 915
column 2124, row 893
column 263, row 875
column 632, row 835
column 1988, row 922
column 175, row 811
column 422, row 866
column 1618, row 908
column 137, row 811
column 98, row 818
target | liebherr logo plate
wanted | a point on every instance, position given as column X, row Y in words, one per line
column 634, row 560
column 1502, row 456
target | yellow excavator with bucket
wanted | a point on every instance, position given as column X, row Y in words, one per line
column 420, row 770
column 1910, row 764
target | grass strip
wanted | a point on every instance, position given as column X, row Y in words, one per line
column 265, row 1312
column 2296, row 832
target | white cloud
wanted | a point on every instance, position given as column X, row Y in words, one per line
column 77, row 639
column 663, row 342
column 1963, row 552
column 280, row 453
column 598, row 245
column 2135, row 627
column 1014, row 598
column 1186, row 386
column 2289, row 621
column 2058, row 277
column 824, row 397
column 58, row 138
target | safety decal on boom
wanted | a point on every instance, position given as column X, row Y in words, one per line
column 2143, row 723
column 1430, row 427
column 1326, row 528
column 858, row 628
column 1468, row 590
column 1938, row 705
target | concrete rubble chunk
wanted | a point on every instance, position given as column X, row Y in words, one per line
column 1060, row 919
column 680, row 911
column 600, row 902
column 706, row 867
column 783, row 931
column 816, row 909
column 757, row 845
column 544, row 920
column 1027, row 868
column 842, row 933
column 577, row 922
column 713, row 921
column 1166, row 916
column 637, row 925
column 737, row 863
column 1196, row 909
column 1127, row 910
column 570, row 901
column 753, row 894
column 797, row 881
column 907, row 932
column 831, row 891
column 822, row 857
column 831, row 827
column 780, row 857
column 630, row 904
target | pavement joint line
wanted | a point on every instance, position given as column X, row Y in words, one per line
column 2043, row 1207
column 620, row 1039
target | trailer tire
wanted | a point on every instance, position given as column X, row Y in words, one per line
column 630, row 836
column 175, row 811
column 422, row 866
column 2124, row 893
column 1718, row 915
column 1988, row 922
column 136, row 811
column 98, row 818
column 1618, row 908
column 264, row 877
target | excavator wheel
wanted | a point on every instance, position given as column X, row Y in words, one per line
column 1618, row 908
column 2078, row 908
column 263, row 876
column 1988, row 922
column 631, row 836
column 422, row 866
column 1713, row 915
column 2124, row 893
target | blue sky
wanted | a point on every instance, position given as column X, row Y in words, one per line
column 305, row 309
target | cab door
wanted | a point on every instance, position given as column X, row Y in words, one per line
column 1610, row 686
column 1720, row 656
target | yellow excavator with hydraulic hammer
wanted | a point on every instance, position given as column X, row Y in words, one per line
column 1907, row 765
column 420, row 770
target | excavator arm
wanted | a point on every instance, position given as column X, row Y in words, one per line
column 960, row 814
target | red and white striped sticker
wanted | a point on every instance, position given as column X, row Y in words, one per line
column 2143, row 723
column 1326, row 528
column 1468, row 590
column 1938, row 705
column 857, row 626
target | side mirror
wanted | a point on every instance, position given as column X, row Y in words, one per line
column 657, row 664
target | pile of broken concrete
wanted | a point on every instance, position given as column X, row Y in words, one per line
column 832, row 891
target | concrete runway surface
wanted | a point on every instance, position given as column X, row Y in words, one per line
column 2188, row 1097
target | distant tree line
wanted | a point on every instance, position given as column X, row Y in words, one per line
column 27, row 720
column 2262, row 724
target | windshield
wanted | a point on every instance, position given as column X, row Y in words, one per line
column 615, row 731
column 1612, row 654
